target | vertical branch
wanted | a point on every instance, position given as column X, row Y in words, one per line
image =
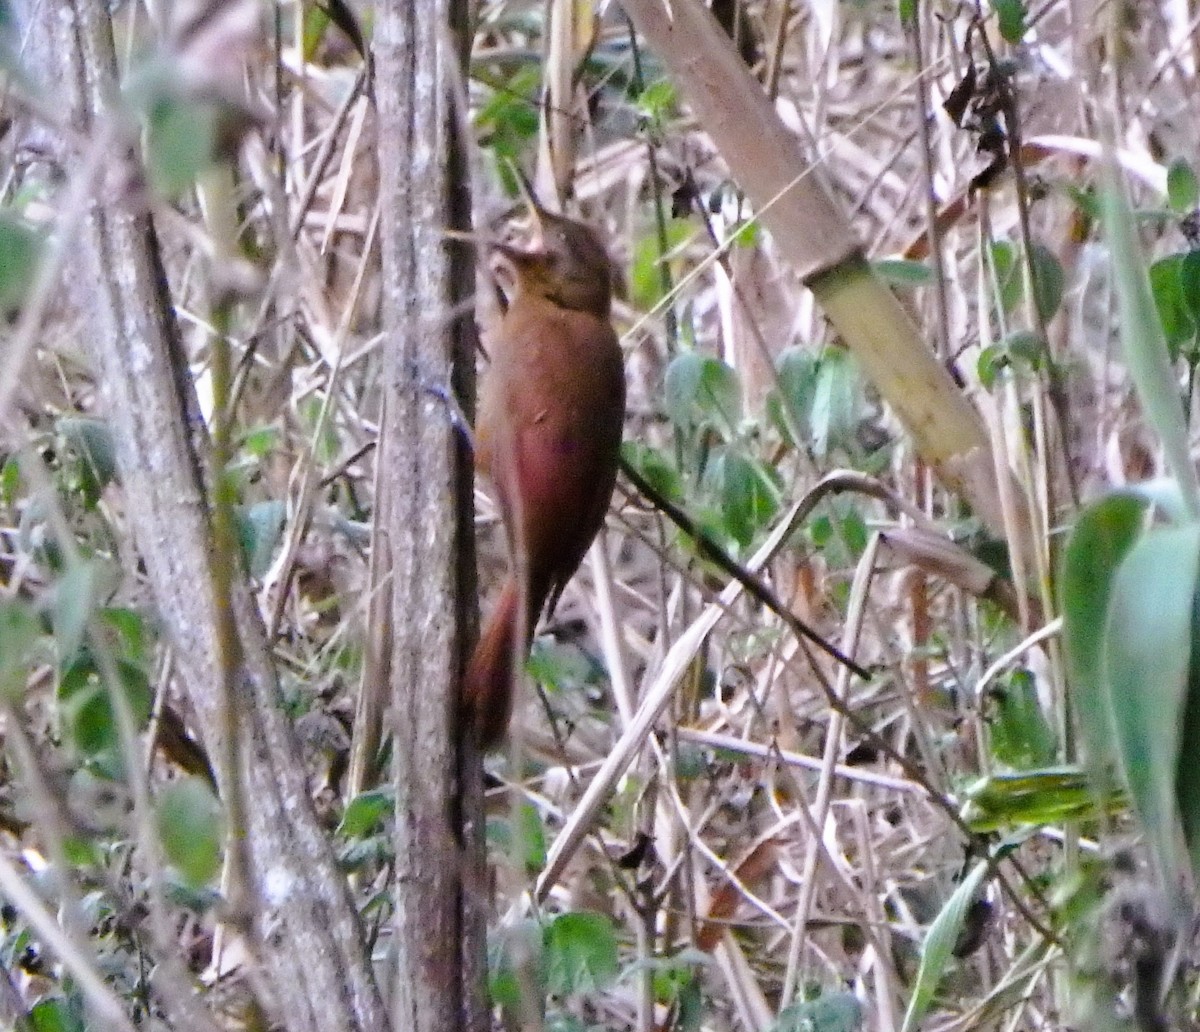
column 425, row 491
column 305, row 922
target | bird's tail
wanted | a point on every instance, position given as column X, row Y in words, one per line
column 488, row 683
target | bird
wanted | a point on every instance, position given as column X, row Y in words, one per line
column 548, row 436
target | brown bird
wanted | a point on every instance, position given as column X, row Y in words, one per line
column 548, row 434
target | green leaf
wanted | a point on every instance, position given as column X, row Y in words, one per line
column 1189, row 285
column 128, row 633
column 1021, row 349
column 658, row 100
column 655, row 467
column 900, row 272
column 939, row 943
column 829, row 1012
column 1011, row 17
column 74, row 601
column 1034, row 798
column 646, row 282
column 748, row 498
column 720, row 393
column 1008, row 275
column 10, row 480
column 86, row 705
column 681, row 385
column 1048, row 281
column 190, row 828
column 1187, row 780
column 697, row 386
column 181, row 141
column 517, row 966
column 1101, row 538
column 326, row 446
column 20, row 631
column 20, row 251
column 365, row 813
column 795, row 388
column 836, row 402
column 1166, row 287
column 92, row 440
column 1145, row 345
column 1183, row 192
column 260, row 528
column 530, row 840
column 56, row 1015
column 1020, row 734
column 508, row 119
column 1146, row 657
column 557, row 666
column 1086, row 200
column 260, row 441
column 581, row 953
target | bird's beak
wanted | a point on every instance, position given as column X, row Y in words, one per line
column 536, row 211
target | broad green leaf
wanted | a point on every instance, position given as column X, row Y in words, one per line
column 657, row 100
column 795, row 387
column 190, row 827
column 698, row 386
column 1187, row 781
column 842, row 535
column 10, row 480
column 748, row 498
column 1034, row 798
column 86, row 705
column 20, row 631
column 1189, row 285
column 365, row 813
column 260, row 441
column 939, row 943
column 20, row 252
column 646, row 282
column 720, row 393
column 655, row 467
column 181, row 141
column 681, row 387
column 1020, row 734
column 530, row 842
column 1166, row 287
column 74, row 601
column 1102, row 536
column 1008, row 275
column 581, row 953
column 1146, row 657
column 1021, row 349
column 260, row 528
column 326, row 446
column 1145, row 345
column 829, row 1012
column 1011, row 17
column 508, row 120
column 900, row 272
column 558, row 666
column 125, row 632
column 517, row 965
column 748, row 234
column 1048, row 281
column 56, row 1015
column 1183, row 192
column 836, row 401
column 92, row 440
